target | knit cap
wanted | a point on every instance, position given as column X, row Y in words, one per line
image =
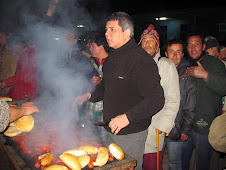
column 151, row 31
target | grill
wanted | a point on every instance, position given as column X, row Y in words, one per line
column 19, row 160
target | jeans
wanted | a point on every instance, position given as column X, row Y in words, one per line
column 174, row 150
column 203, row 151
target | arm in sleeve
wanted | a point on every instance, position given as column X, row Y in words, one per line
column 189, row 104
column 150, row 91
column 170, row 84
column 4, row 115
column 98, row 93
column 217, row 79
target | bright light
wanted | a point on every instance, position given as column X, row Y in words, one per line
column 161, row 18
column 81, row 26
column 56, row 39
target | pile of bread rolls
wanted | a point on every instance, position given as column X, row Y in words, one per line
column 76, row 159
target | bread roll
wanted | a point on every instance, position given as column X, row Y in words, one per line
column 71, row 161
column 12, row 131
column 25, row 123
column 89, row 149
column 84, row 160
column 46, row 158
column 6, row 99
column 102, row 157
column 116, row 151
column 76, row 152
column 56, row 167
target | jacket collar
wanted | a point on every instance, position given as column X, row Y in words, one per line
column 124, row 47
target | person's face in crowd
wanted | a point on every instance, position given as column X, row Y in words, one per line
column 94, row 49
column 115, row 36
column 175, row 53
column 222, row 54
column 70, row 37
column 149, row 44
column 213, row 51
column 3, row 39
column 195, row 46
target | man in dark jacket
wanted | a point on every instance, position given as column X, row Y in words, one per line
column 185, row 116
column 210, row 74
column 130, row 88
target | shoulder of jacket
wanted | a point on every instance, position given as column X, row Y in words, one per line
column 166, row 63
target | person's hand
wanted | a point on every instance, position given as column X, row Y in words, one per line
column 80, row 100
column 118, row 123
column 3, row 85
column 223, row 112
column 184, row 137
column 198, row 71
column 29, row 108
column 96, row 80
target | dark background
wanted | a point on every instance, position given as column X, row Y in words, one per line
column 208, row 18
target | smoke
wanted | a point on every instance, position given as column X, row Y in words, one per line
column 59, row 84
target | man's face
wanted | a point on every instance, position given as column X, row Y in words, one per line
column 70, row 37
column 149, row 44
column 94, row 49
column 175, row 53
column 222, row 54
column 213, row 51
column 3, row 39
column 114, row 34
column 195, row 46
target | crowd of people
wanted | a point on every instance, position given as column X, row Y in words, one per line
column 140, row 93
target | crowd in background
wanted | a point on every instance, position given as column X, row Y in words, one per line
column 193, row 86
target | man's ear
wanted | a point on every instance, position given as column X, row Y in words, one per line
column 204, row 46
column 127, row 32
column 166, row 54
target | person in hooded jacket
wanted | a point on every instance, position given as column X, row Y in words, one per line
column 186, row 113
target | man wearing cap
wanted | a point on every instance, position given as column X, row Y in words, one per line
column 211, row 45
column 165, row 118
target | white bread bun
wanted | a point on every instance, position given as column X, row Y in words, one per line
column 89, row 149
column 102, row 157
column 25, row 123
column 6, row 99
column 116, row 151
column 46, row 158
column 56, row 167
column 76, row 152
column 71, row 161
column 12, row 131
column 84, row 160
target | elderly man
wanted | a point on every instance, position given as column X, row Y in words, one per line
column 210, row 74
column 164, row 119
column 130, row 88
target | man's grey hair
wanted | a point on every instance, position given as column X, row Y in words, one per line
column 124, row 21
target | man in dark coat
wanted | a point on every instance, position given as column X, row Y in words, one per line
column 186, row 113
column 210, row 74
column 130, row 88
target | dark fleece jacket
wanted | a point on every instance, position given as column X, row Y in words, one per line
column 130, row 85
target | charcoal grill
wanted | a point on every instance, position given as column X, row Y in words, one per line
column 20, row 161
